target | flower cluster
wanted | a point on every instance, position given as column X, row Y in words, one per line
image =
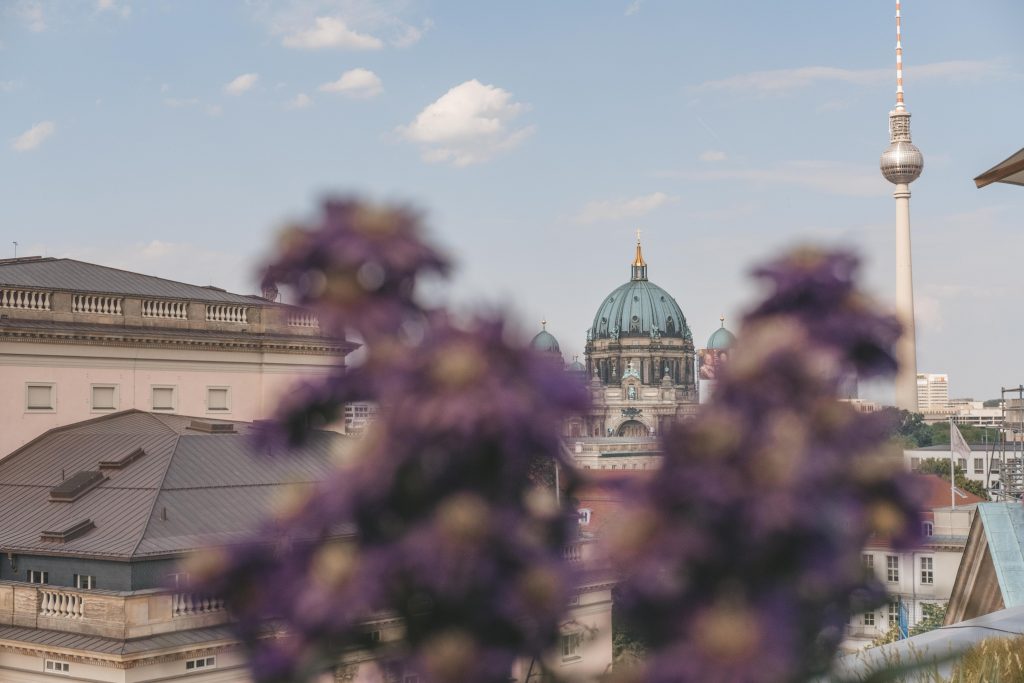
column 436, row 526
column 742, row 558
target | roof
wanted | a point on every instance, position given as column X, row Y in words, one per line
column 1010, row 170
column 545, row 341
column 721, row 338
column 639, row 308
column 190, row 489
column 937, row 492
column 79, row 276
column 19, row 635
column 1003, row 525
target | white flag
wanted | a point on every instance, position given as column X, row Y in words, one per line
column 958, row 448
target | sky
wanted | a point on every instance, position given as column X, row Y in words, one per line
column 176, row 138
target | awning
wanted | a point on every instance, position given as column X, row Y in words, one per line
column 1010, row 171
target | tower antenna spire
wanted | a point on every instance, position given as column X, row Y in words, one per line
column 899, row 61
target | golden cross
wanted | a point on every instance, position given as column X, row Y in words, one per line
column 638, row 234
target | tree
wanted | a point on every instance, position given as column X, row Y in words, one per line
column 940, row 467
column 911, row 429
column 933, row 614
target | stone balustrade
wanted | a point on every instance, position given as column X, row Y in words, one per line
column 160, row 308
column 25, row 299
column 105, row 305
column 303, row 320
column 111, row 614
column 221, row 313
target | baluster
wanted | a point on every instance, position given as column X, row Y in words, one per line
column 44, row 602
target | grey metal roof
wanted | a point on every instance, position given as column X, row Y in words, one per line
column 114, row 646
column 189, row 490
column 79, row 276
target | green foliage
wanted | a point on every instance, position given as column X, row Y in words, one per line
column 933, row 616
column 911, row 429
column 972, row 434
column 890, row 636
column 992, row 403
column 941, row 467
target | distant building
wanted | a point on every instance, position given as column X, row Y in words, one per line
column 932, row 391
column 80, row 340
column 923, row 575
column 96, row 517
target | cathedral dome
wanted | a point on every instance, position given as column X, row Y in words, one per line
column 721, row 338
column 545, row 341
column 639, row 308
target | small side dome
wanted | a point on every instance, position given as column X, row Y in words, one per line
column 577, row 366
column 545, row 341
column 721, row 338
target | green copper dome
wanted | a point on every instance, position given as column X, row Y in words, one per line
column 545, row 341
column 721, row 338
column 639, row 308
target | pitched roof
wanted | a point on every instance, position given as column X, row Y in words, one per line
column 190, row 489
column 79, row 276
column 1003, row 526
column 937, row 492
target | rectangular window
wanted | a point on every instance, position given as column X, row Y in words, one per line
column 915, row 464
column 869, row 561
column 894, row 613
column 962, row 463
column 869, row 619
column 85, row 581
column 927, row 528
column 57, row 667
column 584, row 514
column 979, row 465
column 35, row 576
column 201, row 663
column 927, row 570
column 104, row 397
column 163, row 398
column 39, row 397
column 217, row 398
column 892, row 568
column 571, row 645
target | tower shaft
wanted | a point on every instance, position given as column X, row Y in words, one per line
column 906, row 347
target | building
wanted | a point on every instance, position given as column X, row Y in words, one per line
column 98, row 514
column 713, row 358
column 923, row 575
column 932, row 391
column 79, row 340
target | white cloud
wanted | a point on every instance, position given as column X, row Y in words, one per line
column 34, row 136
column 778, row 81
column 358, row 83
column 713, row 155
column 301, row 101
column 122, row 8
column 469, row 124
column 633, row 7
column 827, row 177
column 9, row 86
column 31, row 12
column 330, row 32
column 241, row 84
column 618, row 209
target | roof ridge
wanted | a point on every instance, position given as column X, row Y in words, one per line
column 159, row 487
column 63, row 428
column 154, row 277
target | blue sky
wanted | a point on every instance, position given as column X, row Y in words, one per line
column 174, row 138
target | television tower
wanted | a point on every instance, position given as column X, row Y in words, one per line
column 901, row 165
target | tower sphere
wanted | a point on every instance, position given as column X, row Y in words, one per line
column 901, row 162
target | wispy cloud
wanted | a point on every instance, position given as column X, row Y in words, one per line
column 469, row 124
column 713, row 155
column 780, row 81
column 827, row 177
column 633, row 7
column 34, row 136
column 241, row 84
column 618, row 209
column 330, row 32
column 358, row 83
column 119, row 7
column 300, row 101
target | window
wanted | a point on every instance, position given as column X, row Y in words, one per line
column 868, row 560
column 584, row 516
column 57, row 667
column 892, row 568
column 869, row 619
column 927, row 529
column 571, row 645
column 962, row 463
column 979, row 465
column 217, row 398
column 104, row 397
column 201, row 663
column 35, row 576
column 85, row 581
column 927, row 570
column 39, row 397
column 894, row 613
column 163, row 398
column 915, row 464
